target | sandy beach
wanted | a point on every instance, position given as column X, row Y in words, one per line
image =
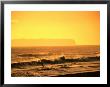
column 86, row 74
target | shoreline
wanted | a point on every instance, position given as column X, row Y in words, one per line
column 85, row 74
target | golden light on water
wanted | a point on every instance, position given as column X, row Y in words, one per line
column 81, row 27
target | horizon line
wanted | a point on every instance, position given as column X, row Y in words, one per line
column 60, row 46
column 40, row 38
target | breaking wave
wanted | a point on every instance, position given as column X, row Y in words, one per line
column 56, row 61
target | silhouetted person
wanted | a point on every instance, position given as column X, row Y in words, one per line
column 42, row 64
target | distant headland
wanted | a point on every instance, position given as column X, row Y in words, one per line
column 42, row 42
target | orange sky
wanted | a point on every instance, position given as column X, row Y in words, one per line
column 82, row 27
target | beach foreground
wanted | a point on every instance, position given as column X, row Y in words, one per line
column 85, row 74
column 80, row 69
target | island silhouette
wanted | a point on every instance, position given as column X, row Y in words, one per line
column 42, row 42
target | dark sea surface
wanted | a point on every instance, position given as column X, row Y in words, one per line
column 54, row 60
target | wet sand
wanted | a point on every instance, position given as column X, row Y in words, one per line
column 80, row 69
column 85, row 74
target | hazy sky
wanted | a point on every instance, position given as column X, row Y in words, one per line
column 83, row 27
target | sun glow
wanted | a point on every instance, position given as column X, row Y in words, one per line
column 83, row 27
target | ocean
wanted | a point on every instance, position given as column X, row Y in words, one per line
column 54, row 60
